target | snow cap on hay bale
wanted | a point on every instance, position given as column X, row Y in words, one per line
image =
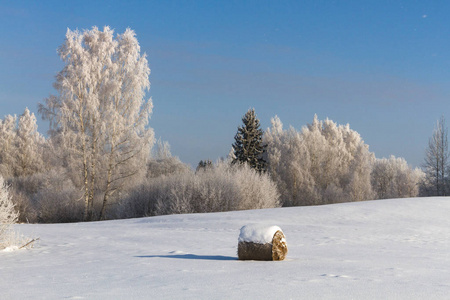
column 261, row 242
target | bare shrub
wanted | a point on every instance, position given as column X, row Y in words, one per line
column 23, row 193
column 59, row 201
column 137, row 203
column 60, row 207
column 25, row 206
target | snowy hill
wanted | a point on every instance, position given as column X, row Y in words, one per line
column 384, row 249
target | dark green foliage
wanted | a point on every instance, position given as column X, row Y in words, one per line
column 204, row 165
column 248, row 146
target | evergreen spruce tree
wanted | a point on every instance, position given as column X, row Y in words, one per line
column 248, row 146
column 204, row 165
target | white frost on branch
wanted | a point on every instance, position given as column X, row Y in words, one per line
column 8, row 215
column 99, row 119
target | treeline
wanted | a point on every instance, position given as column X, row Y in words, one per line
column 330, row 163
column 322, row 163
column 97, row 161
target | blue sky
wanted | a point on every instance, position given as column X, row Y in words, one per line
column 381, row 66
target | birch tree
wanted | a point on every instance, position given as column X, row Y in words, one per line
column 393, row 178
column 21, row 146
column 323, row 163
column 30, row 145
column 99, row 119
column 288, row 165
column 437, row 160
column 8, row 145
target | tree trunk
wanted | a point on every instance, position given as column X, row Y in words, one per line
column 108, row 184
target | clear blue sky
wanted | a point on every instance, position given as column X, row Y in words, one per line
column 381, row 66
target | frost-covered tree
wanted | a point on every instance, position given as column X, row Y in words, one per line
column 248, row 146
column 393, row 178
column 323, row 163
column 21, row 146
column 288, row 164
column 163, row 163
column 8, row 215
column 437, row 161
column 21, row 159
column 99, row 119
column 30, row 145
column 8, row 145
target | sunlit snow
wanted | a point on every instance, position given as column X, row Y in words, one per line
column 258, row 233
column 384, row 249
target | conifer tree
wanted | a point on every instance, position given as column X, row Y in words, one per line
column 248, row 146
column 204, row 165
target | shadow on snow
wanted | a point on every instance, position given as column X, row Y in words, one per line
column 192, row 256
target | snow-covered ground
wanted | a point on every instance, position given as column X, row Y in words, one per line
column 385, row 249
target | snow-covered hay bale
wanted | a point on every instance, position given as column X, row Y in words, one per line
column 261, row 242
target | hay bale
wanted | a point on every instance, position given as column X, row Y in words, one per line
column 260, row 242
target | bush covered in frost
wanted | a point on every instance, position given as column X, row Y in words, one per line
column 221, row 188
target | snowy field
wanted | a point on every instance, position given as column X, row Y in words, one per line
column 385, row 249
